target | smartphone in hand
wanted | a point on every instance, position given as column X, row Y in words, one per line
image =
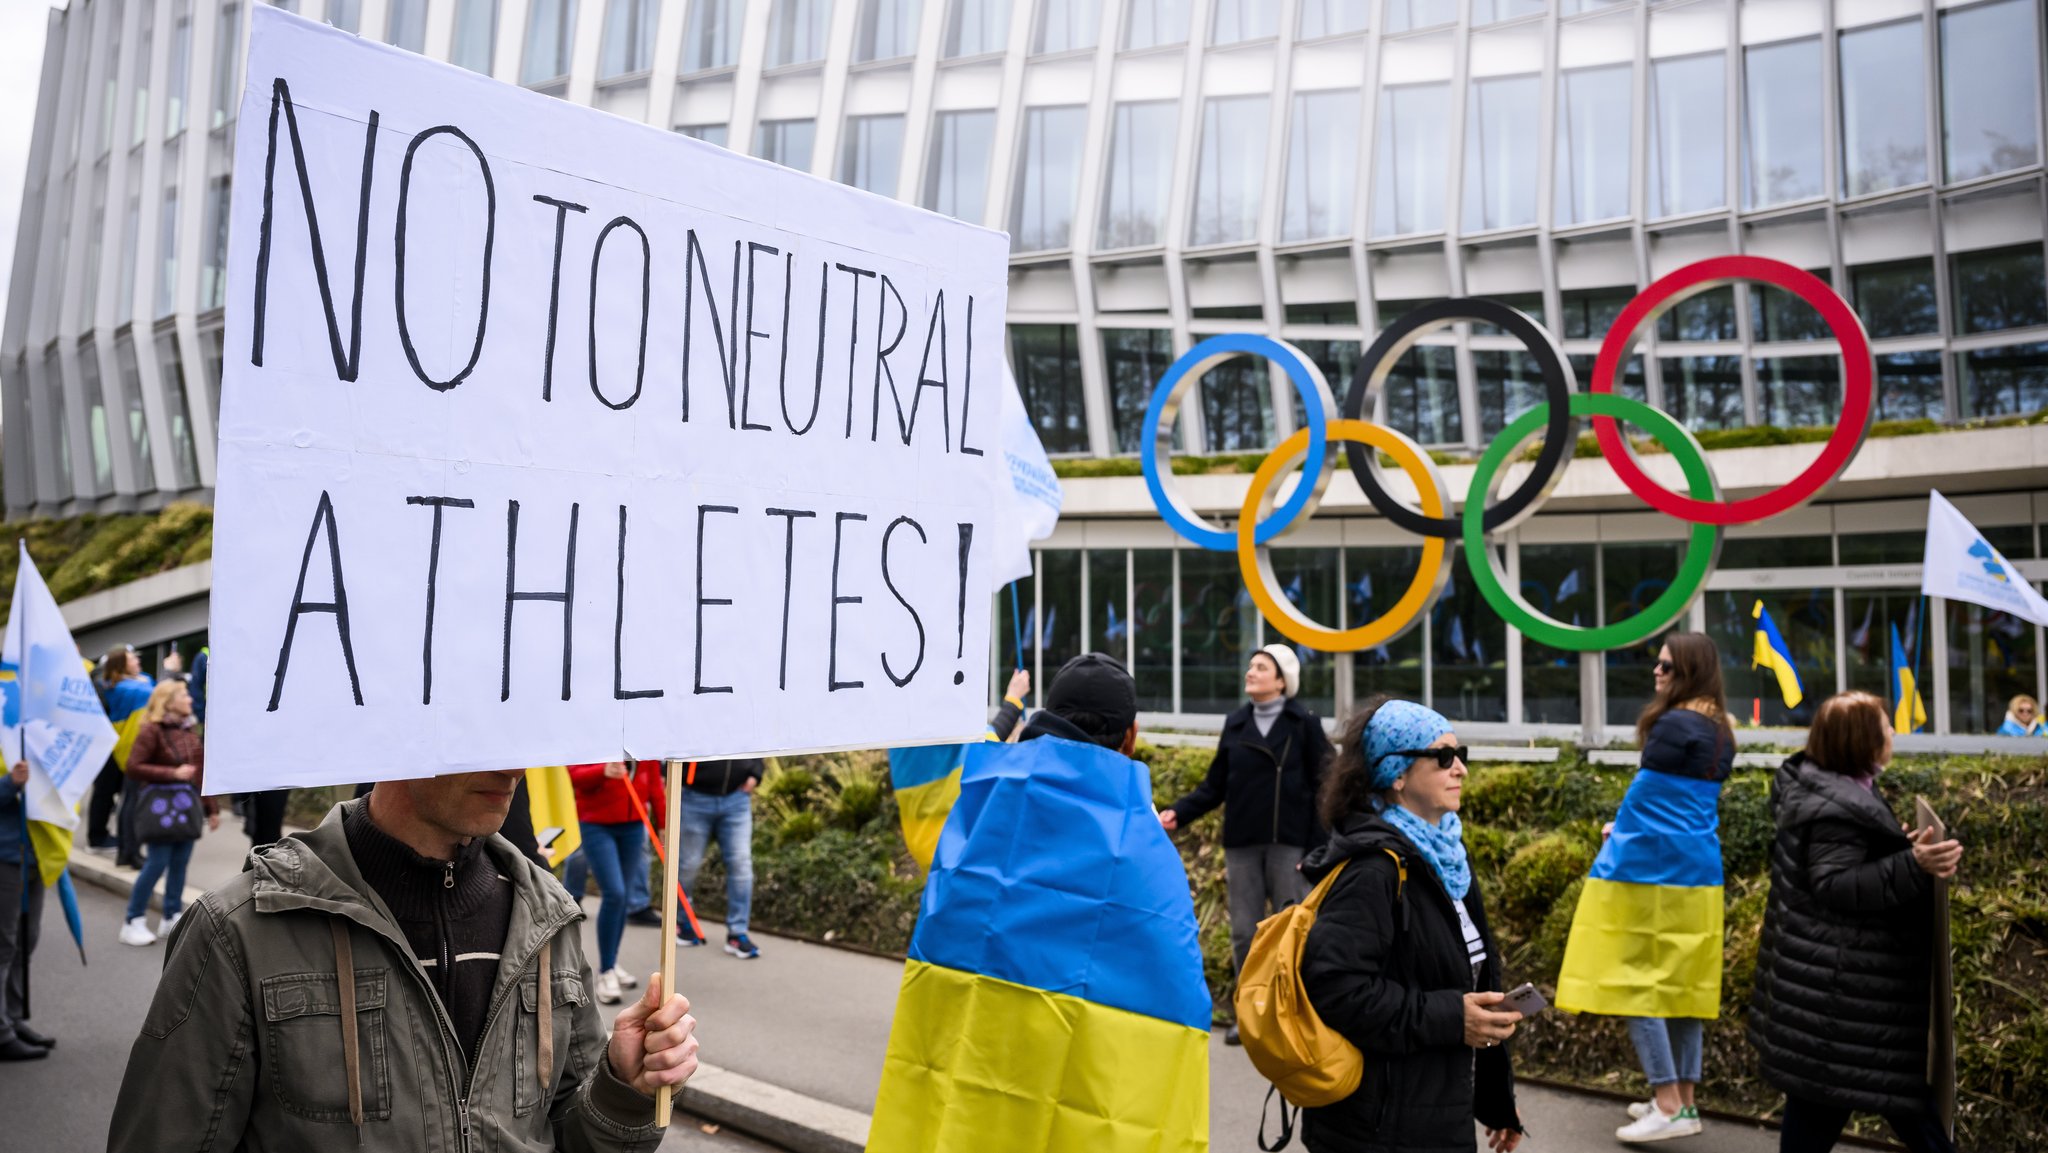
column 1525, row 1000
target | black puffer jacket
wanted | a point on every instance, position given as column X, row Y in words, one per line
column 1391, row 973
column 1266, row 783
column 1839, row 1014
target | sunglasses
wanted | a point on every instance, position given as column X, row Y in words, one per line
column 1443, row 755
column 1665, row 667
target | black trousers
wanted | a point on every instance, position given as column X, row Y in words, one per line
column 101, row 809
column 19, row 929
column 266, row 817
column 1811, row 1127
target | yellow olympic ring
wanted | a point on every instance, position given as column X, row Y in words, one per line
column 1256, row 563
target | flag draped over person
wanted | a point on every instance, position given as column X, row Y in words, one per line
column 1909, row 712
column 551, row 798
column 1771, row 652
column 1053, row 998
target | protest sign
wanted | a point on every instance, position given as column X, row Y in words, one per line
column 545, row 435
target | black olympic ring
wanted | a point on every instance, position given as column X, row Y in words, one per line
column 1560, row 432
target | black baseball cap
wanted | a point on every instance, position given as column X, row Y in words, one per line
column 1097, row 688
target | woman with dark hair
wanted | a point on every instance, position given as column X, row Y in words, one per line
column 1840, row 1010
column 1645, row 941
column 1399, row 960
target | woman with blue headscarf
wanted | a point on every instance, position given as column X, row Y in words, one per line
column 1399, row 960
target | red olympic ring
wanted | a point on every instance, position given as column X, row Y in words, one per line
column 1859, row 372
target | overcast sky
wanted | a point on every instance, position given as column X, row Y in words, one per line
column 22, row 24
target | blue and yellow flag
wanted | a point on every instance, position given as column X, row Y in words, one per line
column 1774, row 654
column 1646, row 938
column 926, row 780
column 124, row 711
column 1053, row 999
column 1910, row 713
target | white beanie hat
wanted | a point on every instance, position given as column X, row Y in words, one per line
column 1290, row 666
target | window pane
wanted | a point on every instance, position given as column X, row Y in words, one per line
column 97, row 432
column 1488, row 11
column 1687, row 133
column 1805, row 618
column 1990, row 661
column 167, row 253
column 1500, row 153
column 1109, row 610
column 1590, row 312
column 180, row 65
column 1989, row 100
column 1594, row 125
column 214, row 239
column 1065, row 25
column 1152, row 622
column 1231, row 178
column 227, row 59
column 1140, row 174
column 346, row 15
column 1909, row 386
column 1999, row 288
column 1322, row 166
column 1557, row 581
column 1778, row 552
column 60, row 423
column 1405, row 14
column 871, row 153
column 136, row 416
column 712, row 39
column 1151, row 23
column 1777, row 315
column 1631, row 576
column 90, row 297
column 550, row 37
column 1422, row 395
column 1237, row 407
column 1059, row 631
column 956, row 177
column 138, row 119
column 708, row 133
column 1869, row 620
column 1219, row 630
column 1307, row 577
column 1884, row 107
column 1134, row 359
column 1048, row 170
column 1018, row 645
column 1232, row 21
column 124, row 300
column 1338, row 360
column 1782, row 122
column 1895, row 298
column 1800, row 391
column 1408, row 183
column 887, row 30
column 1469, row 643
column 1374, row 580
column 977, row 26
column 408, row 25
column 1047, row 361
column 1707, row 316
column 1529, row 303
column 1331, row 18
column 184, row 457
column 1704, row 391
column 628, row 37
column 796, row 31
column 1633, row 384
column 2003, row 381
column 1509, row 383
column 476, row 34
column 786, row 142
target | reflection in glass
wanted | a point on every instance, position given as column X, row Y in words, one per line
column 1140, row 174
column 1633, row 384
column 1468, row 641
column 1991, row 659
column 871, row 153
column 1509, row 384
column 1590, row 312
column 1808, row 551
column 1868, row 620
column 1594, row 125
column 1989, row 99
column 1704, row 391
column 137, row 416
column 1151, row 23
column 1805, row 618
column 1631, row 577
column 1133, row 359
column 60, row 424
column 1709, row 315
column 1422, row 395
column 1782, row 122
column 1065, row 26
column 1776, row 315
column 1321, row 18
column 1405, row 14
column 1374, row 579
column 2003, row 381
column 1219, row 630
column 227, row 56
column 171, row 370
column 1046, row 359
column 1233, row 21
column 1016, row 647
column 1048, row 168
column 1895, row 298
column 1231, row 176
column 887, row 30
column 712, row 38
column 1800, row 391
column 98, row 435
column 1237, row 407
column 1687, row 127
column 476, row 34
column 628, row 37
column 1558, row 580
column 1884, row 103
column 1338, row 361
column 956, row 177
column 1527, row 303
column 1307, row 578
column 1500, row 153
column 1322, row 166
column 1056, row 623
column 1408, row 180
column 1909, row 386
column 1999, row 288
column 1152, row 627
column 786, row 142
column 796, row 31
column 1109, row 612
column 974, row 27
column 213, row 272
column 550, row 37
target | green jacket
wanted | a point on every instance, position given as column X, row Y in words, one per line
column 245, row 1044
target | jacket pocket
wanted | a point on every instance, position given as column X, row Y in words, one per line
column 308, row 1068
column 566, row 996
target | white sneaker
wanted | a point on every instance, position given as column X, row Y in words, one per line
column 626, row 980
column 608, row 987
column 163, row 929
column 136, row 932
column 1641, row 1109
column 1655, row 1126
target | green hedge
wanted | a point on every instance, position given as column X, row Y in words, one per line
column 88, row 554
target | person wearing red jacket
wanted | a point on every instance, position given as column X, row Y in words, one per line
column 167, row 751
column 615, row 847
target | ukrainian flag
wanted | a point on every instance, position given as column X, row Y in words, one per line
column 1646, row 938
column 1774, row 654
column 125, row 703
column 1053, row 1001
column 926, row 780
column 1905, row 694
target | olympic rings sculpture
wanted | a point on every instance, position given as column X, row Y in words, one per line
column 1485, row 512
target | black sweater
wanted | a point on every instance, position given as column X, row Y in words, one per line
column 454, row 914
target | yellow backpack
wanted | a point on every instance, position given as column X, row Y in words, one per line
column 1309, row 1063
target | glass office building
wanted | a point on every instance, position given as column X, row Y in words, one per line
column 1307, row 169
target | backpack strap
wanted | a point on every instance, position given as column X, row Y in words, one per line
column 1400, row 883
column 1287, row 1115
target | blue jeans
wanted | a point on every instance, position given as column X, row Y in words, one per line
column 613, row 852
column 1669, row 1048
column 731, row 819
column 576, row 879
column 165, row 860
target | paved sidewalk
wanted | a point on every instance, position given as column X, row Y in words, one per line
column 795, row 1039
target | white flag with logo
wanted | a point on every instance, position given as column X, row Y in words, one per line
column 1962, row 566
column 50, row 705
column 1028, row 506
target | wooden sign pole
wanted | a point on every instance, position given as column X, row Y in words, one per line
column 672, row 779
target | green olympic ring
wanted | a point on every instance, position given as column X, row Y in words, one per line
column 1701, row 550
